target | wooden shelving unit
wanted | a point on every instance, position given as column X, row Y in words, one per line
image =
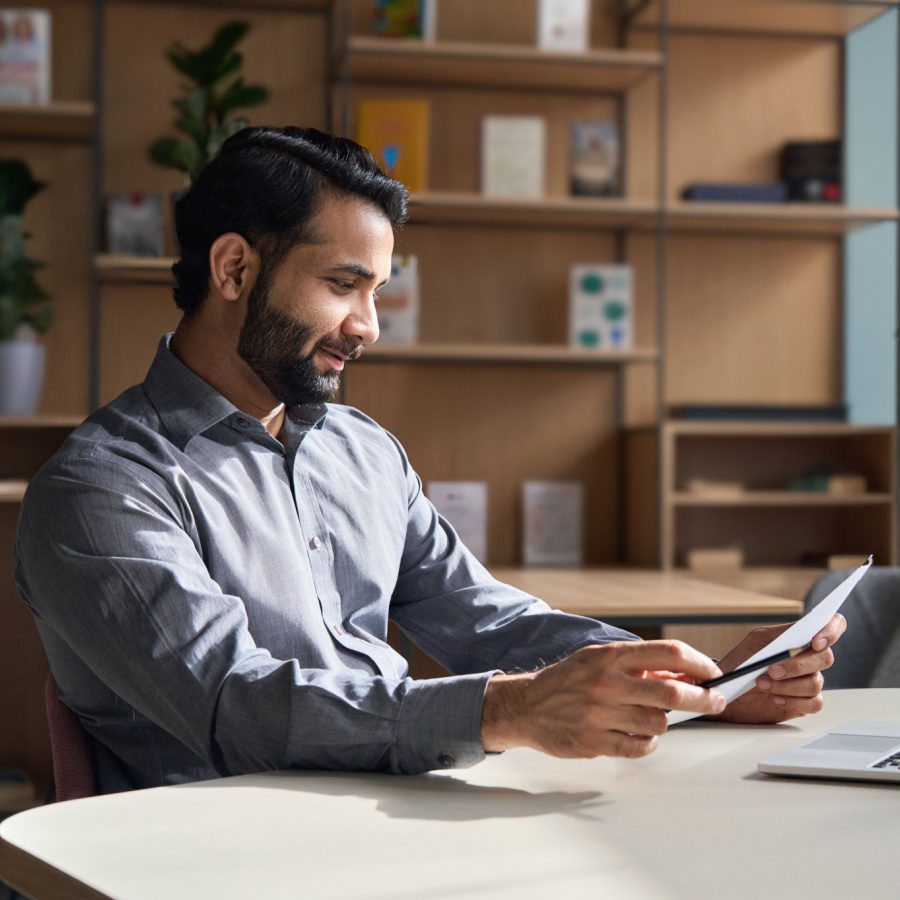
column 485, row 65
column 766, row 17
column 536, row 354
column 60, row 121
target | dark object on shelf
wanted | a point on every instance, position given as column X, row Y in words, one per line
column 724, row 192
column 812, row 171
column 703, row 412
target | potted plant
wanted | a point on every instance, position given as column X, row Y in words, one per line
column 24, row 308
column 215, row 90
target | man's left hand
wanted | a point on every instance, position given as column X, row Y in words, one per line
column 787, row 689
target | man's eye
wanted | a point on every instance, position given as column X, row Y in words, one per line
column 343, row 285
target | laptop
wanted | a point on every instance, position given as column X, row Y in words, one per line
column 867, row 751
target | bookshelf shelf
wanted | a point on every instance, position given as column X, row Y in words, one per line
column 487, row 65
column 828, row 19
column 783, row 218
column 147, row 269
column 59, row 121
column 781, row 498
column 12, row 490
column 552, row 354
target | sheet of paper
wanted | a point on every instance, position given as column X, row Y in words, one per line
column 798, row 635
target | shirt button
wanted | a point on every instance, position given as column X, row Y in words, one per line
column 446, row 760
column 315, row 543
column 243, row 423
column 338, row 629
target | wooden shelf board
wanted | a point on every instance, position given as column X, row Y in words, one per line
column 153, row 269
column 774, row 429
column 61, row 120
column 451, row 208
column 553, row 354
column 41, row 421
column 12, row 490
column 780, row 498
column 818, row 219
column 828, row 19
column 286, row 5
column 391, row 60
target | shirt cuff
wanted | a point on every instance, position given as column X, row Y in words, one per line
column 440, row 723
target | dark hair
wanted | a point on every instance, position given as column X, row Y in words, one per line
column 266, row 184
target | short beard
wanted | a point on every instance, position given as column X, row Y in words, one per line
column 269, row 342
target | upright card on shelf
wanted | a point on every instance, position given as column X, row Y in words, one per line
column 398, row 302
column 406, row 18
column 564, row 25
column 396, row 131
column 134, row 224
column 25, row 56
column 594, row 166
column 512, row 156
column 464, row 505
column 600, row 307
column 553, row 513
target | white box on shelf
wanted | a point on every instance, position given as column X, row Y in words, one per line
column 398, row 302
column 134, row 224
column 464, row 505
column 512, row 156
column 553, row 513
column 25, row 56
column 600, row 307
column 563, row 25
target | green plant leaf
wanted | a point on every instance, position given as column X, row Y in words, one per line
column 10, row 316
column 221, row 133
column 185, row 62
column 175, row 154
column 41, row 320
column 192, row 120
column 239, row 94
column 17, row 186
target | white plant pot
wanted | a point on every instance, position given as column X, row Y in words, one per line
column 21, row 376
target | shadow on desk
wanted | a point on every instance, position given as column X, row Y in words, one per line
column 449, row 799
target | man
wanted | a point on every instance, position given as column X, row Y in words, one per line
column 212, row 559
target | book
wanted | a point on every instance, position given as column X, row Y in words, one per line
column 706, row 559
column 552, row 523
column 398, row 302
column 594, row 161
column 600, row 307
column 25, row 56
column 774, row 192
column 396, row 132
column 464, row 505
column 406, row 18
column 134, row 224
column 563, row 25
column 512, row 156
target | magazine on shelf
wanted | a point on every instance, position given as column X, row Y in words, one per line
column 512, row 156
column 134, row 224
column 464, row 505
column 396, row 131
column 553, row 526
column 594, row 167
column 25, row 56
column 398, row 303
column 601, row 307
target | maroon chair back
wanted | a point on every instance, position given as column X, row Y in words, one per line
column 71, row 746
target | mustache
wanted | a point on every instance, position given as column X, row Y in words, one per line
column 348, row 348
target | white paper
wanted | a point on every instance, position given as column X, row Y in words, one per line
column 464, row 505
column 798, row 635
column 552, row 523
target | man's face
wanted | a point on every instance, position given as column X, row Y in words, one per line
column 316, row 310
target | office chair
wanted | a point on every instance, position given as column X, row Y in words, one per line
column 868, row 655
column 71, row 746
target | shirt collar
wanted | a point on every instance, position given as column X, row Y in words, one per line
column 187, row 405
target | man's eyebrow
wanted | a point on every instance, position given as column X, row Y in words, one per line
column 356, row 269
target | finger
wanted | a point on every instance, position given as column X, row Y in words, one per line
column 830, row 633
column 631, row 746
column 793, row 707
column 672, row 656
column 807, row 686
column 669, row 694
column 805, row 664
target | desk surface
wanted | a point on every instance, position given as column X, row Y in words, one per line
column 694, row 820
column 635, row 595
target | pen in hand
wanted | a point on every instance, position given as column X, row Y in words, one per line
column 754, row 667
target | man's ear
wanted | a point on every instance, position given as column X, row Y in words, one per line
column 233, row 265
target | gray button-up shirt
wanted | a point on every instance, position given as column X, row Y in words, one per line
column 215, row 601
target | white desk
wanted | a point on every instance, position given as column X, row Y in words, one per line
column 694, row 820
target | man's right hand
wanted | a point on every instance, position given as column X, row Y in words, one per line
column 603, row 700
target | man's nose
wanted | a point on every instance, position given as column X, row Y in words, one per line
column 363, row 321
